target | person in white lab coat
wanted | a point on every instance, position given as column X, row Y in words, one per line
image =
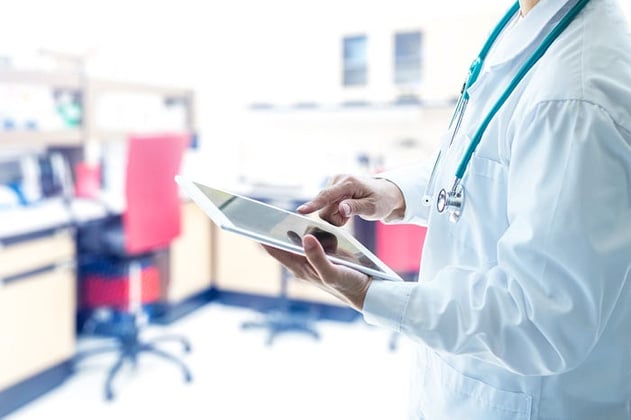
column 523, row 306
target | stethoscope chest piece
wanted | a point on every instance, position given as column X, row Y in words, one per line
column 451, row 201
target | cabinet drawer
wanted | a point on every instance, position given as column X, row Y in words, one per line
column 244, row 266
column 37, row 324
column 37, row 253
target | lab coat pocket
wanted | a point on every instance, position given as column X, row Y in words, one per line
column 449, row 394
column 484, row 217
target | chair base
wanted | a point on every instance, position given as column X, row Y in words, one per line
column 129, row 347
column 281, row 321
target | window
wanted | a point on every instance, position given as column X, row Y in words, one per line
column 355, row 61
column 407, row 58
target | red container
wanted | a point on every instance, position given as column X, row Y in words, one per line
column 88, row 180
column 400, row 246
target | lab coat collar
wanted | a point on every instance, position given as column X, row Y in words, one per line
column 537, row 22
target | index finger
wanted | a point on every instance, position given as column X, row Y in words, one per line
column 329, row 196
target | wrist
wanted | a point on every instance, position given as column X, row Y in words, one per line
column 396, row 200
column 357, row 301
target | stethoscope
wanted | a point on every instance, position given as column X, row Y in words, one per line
column 452, row 200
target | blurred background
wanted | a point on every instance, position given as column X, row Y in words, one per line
column 118, row 296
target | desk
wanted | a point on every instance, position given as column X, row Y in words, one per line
column 38, row 288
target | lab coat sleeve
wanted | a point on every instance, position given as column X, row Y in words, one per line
column 412, row 181
column 562, row 263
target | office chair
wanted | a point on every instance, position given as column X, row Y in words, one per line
column 150, row 221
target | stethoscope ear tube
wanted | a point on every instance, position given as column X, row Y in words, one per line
column 476, row 66
column 453, row 200
column 534, row 58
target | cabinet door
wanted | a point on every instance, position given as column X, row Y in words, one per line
column 244, row 266
column 37, row 324
column 191, row 255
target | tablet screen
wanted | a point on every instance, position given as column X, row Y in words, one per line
column 282, row 228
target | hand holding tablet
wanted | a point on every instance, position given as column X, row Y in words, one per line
column 283, row 229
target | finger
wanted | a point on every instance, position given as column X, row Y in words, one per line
column 327, row 197
column 288, row 259
column 297, row 264
column 309, row 206
column 317, row 258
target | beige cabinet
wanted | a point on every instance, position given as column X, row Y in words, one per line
column 37, row 311
column 191, row 255
column 242, row 265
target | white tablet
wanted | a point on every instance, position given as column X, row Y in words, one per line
column 283, row 229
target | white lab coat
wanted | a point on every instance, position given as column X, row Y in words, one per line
column 523, row 307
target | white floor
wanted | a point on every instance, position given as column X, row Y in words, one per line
column 350, row 373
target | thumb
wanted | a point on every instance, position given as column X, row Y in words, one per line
column 360, row 207
column 316, row 256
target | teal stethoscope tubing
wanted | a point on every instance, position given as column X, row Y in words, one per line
column 476, row 67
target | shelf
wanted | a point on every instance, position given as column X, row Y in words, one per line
column 58, row 80
column 352, row 106
column 127, row 87
column 110, row 135
column 75, row 81
column 69, row 137
column 90, row 90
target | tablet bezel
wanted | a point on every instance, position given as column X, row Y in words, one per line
column 194, row 192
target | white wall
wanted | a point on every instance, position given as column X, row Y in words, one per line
column 242, row 51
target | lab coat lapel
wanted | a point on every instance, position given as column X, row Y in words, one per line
column 513, row 48
column 531, row 29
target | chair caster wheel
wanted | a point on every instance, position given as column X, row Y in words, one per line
column 109, row 395
column 187, row 348
column 188, row 378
